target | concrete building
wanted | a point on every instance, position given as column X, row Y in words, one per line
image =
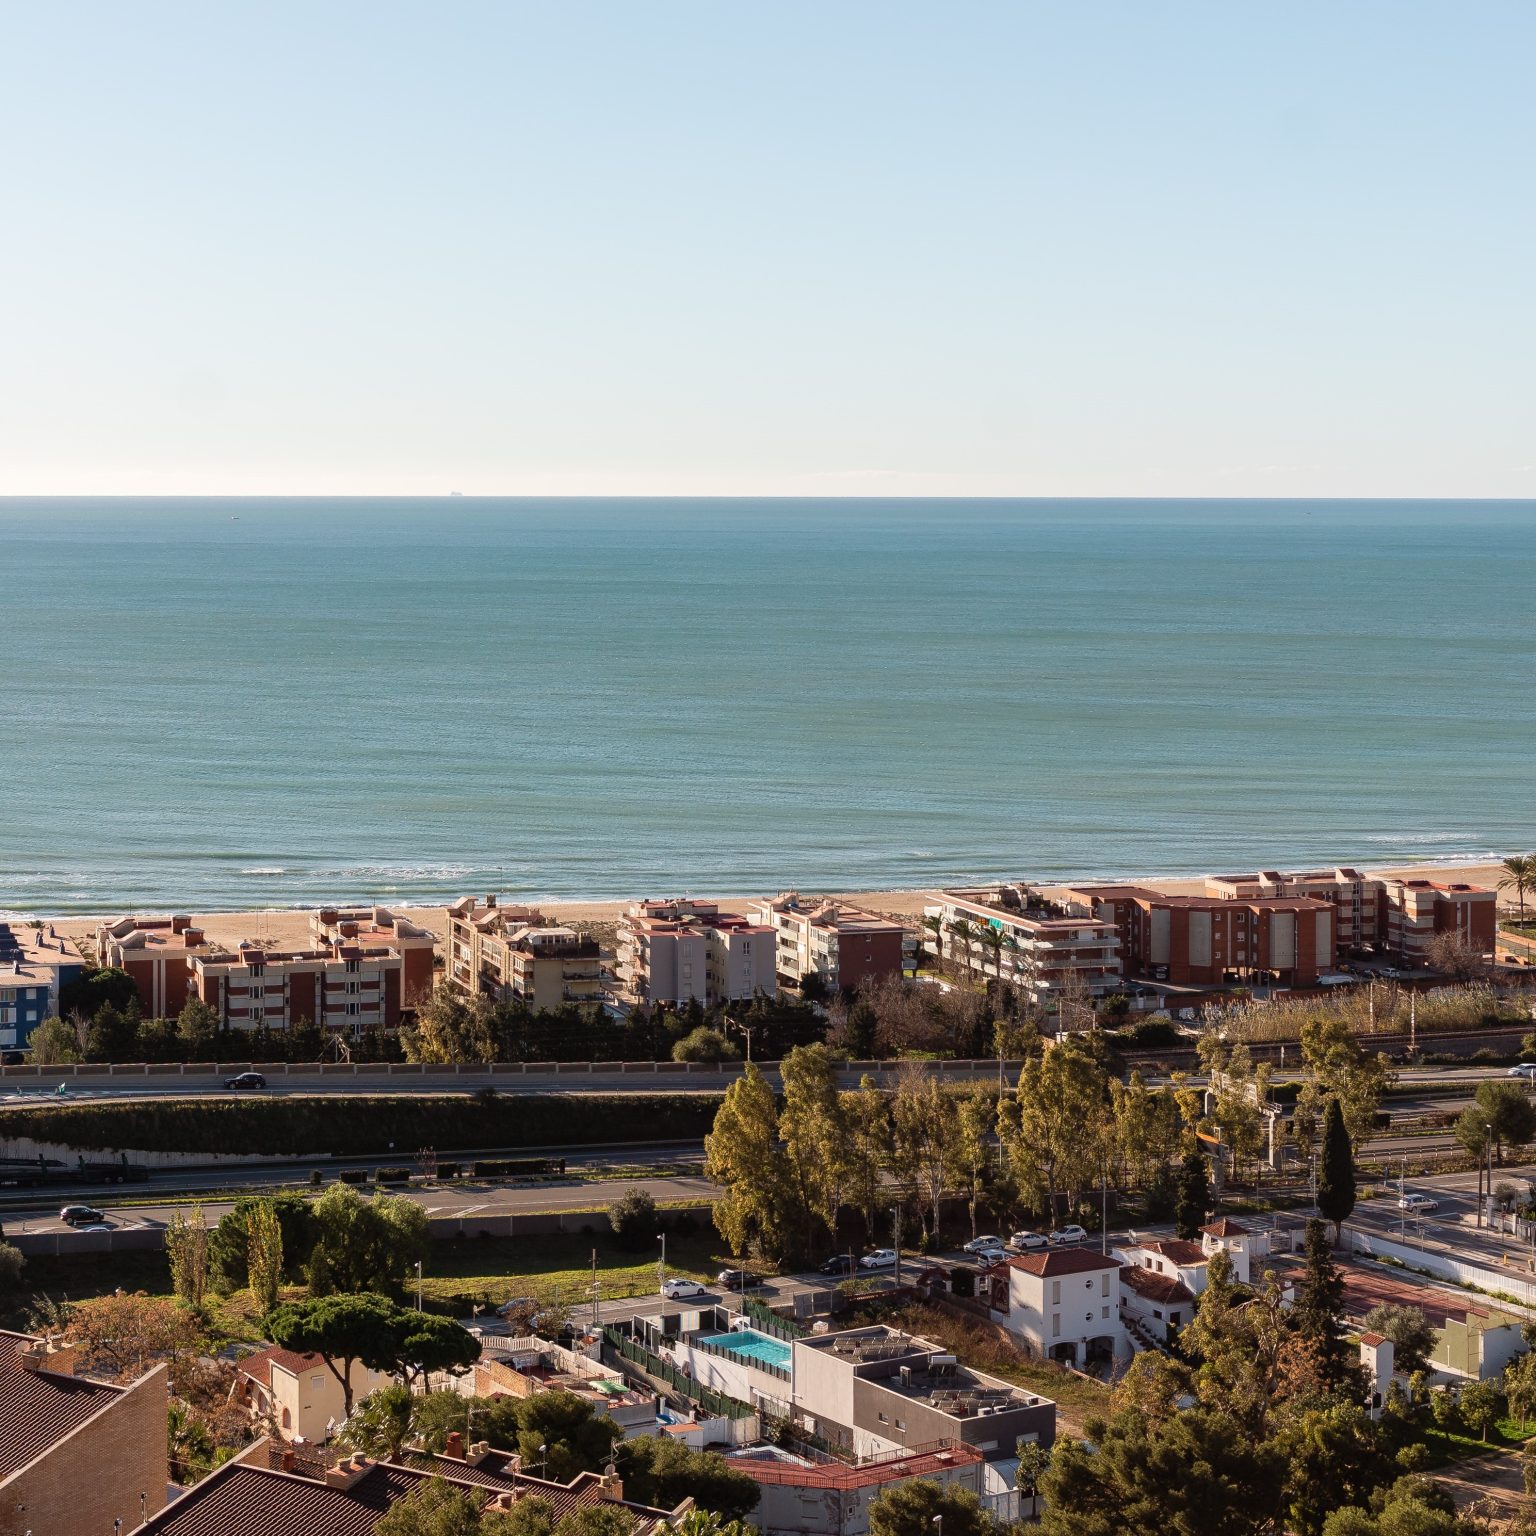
column 841, row 944
column 1160, row 1281
column 678, row 952
column 1212, row 940
column 1415, row 912
column 1039, row 950
column 1064, row 1304
column 299, row 1395
column 517, row 955
column 76, row 1454
column 362, row 971
column 34, row 964
column 802, row 1495
column 876, row 1390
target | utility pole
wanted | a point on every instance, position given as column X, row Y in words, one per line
column 896, row 1213
column 595, row 1315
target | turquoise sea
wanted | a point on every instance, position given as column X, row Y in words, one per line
column 211, row 703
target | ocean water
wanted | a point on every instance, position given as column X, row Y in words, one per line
column 209, row 704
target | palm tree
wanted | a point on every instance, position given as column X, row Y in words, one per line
column 962, row 930
column 1521, row 869
column 992, row 938
column 935, row 926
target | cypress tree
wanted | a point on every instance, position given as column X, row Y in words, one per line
column 1336, row 1174
column 1194, row 1195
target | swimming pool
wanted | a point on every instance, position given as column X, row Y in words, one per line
column 751, row 1345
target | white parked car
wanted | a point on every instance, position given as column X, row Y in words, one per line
column 1027, row 1242
column 1525, row 1069
column 679, row 1289
column 1064, row 1236
column 881, row 1258
column 983, row 1244
column 989, row 1255
column 1418, row 1203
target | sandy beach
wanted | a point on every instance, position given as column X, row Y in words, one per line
column 289, row 929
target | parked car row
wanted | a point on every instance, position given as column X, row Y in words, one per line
column 993, row 1250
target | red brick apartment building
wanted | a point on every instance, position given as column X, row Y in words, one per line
column 1206, row 940
column 1412, row 912
column 363, row 969
column 76, row 1454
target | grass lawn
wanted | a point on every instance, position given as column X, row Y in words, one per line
column 1506, row 1435
column 460, row 1273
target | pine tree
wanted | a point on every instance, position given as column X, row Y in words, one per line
column 1318, row 1315
column 1336, row 1175
column 1194, row 1195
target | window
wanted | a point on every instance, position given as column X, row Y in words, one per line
column 882, row 1418
column 1104, row 1312
column 1056, row 1291
column 350, row 967
column 1104, row 1284
column 1055, row 1325
column 351, row 1009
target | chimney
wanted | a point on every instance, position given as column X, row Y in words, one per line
column 347, row 1474
column 454, row 1446
column 286, row 1462
column 192, row 937
column 31, row 1358
column 479, row 1450
column 180, row 924
column 611, row 1484
column 490, row 900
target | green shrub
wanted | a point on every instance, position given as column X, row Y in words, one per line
column 352, row 1175
column 351, row 1126
column 392, row 1176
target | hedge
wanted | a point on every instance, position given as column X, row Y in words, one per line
column 356, row 1126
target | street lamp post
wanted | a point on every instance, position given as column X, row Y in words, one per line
column 661, row 1263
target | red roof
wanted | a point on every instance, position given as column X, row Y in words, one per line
column 259, row 1366
column 1185, row 1255
column 1155, row 1287
column 1062, row 1261
column 1373, row 1339
column 1225, row 1227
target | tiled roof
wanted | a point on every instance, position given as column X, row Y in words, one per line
column 38, row 1408
column 1226, row 1227
column 252, row 1500
column 1155, row 1287
column 1373, row 1339
column 1185, row 1255
column 1062, row 1261
column 259, row 1365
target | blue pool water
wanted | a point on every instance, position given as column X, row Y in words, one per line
column 753, row 1345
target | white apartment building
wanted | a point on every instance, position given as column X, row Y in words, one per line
column 677, row 952
column 1030, row 946
column 839, row 943
column 1159, row 1284
column 1063, row 1303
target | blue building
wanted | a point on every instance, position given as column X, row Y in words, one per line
column 34, row 964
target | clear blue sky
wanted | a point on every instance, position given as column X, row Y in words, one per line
column 882, row 248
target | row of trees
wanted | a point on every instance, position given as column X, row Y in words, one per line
column 1072, row 1128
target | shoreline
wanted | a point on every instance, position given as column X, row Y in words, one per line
column 288, row 926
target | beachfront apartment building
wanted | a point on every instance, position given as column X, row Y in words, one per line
column 1396, row 917
column 1355, row 897
column 677, row 952
column 1414, row 912
column 841, row 944
column 518, row 955
column 1214, row 940
column 363, row 970
column 35, row 962
column 1000, row 931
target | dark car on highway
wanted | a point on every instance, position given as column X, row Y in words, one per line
column 839, row 1264
column 246, row 1080
column 82, row 1216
